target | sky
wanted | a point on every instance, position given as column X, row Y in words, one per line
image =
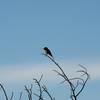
column 71, row 29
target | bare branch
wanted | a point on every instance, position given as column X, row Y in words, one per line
column 79, row 80
column 3, row 89
column 46, row 91
column 12, row 96
column 20, row 96
column 29, row 91
column 40, row 88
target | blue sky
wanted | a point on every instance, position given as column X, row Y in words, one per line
column 71, row 29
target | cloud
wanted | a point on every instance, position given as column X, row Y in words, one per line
column 23, row 73
column 94, row 70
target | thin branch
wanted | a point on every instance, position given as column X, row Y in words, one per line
column 46, row 91
column 4, row 91
column 83, row 84
column 29, row 92
column 76, row 78
column 62, row 72
column 79, row 80
column 20, row 96
column 12, row 96
column 40, row 88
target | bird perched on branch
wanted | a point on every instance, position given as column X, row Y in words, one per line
column 47, row 51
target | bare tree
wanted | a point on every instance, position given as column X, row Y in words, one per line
column 76, row 87
column 42, row 89
column 76, row 84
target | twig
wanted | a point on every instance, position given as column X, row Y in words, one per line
column 4, row 91
column 20, row 96
column 79, row 80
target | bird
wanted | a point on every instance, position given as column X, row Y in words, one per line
column 47, row 51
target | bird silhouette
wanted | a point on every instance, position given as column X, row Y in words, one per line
column 47, row 51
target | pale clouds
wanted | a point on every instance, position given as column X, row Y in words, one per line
column 23, row 73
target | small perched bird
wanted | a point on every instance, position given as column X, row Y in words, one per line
column 47, row 51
